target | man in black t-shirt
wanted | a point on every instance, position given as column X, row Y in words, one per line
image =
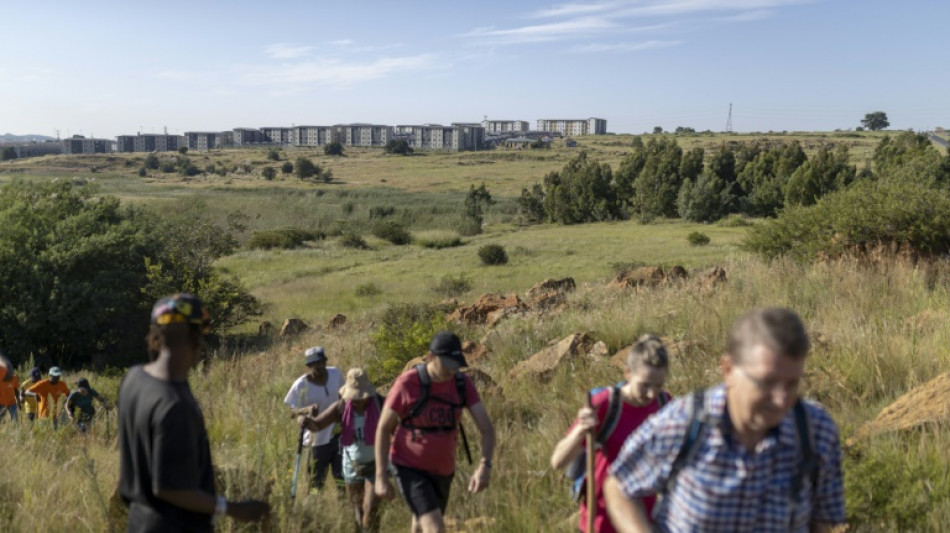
column 166, row 476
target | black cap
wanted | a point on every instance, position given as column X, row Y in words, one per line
column 447, row 344
column 83, row 383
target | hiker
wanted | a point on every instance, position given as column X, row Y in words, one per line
column 48, row 391
column 357, row 412
column 29, row 402
column 9, row 390
column 311, row 394
column 81, row 399
column 165, row 470
column 424, row 409
column 613, row 415
column 745, row 455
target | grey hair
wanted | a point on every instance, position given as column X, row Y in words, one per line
column 648, row 351
column 779, row 329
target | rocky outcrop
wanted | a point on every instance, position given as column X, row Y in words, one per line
column 542, row 364
column 293, row 326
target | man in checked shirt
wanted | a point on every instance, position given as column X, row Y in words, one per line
column 756, row 463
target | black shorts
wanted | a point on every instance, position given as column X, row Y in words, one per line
column 423, row 491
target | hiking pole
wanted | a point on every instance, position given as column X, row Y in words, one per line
column 293, row 486
column 591, row 484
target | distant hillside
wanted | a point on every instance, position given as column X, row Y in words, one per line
column 9, row 137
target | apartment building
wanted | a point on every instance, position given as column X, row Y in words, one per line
column 208, row 140
column 364, row 134
column 313, row 135
column 149, row 142
column 247, row 136
column 77, row 144
column 451, row 138
column 505, row 126
column 34, row 148
column 590, row 126
column 281, row 136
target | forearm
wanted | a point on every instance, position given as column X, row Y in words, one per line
column 194, row 500
column 627, row 515
column 567, row 449
column 381, row 451
column 488, row 442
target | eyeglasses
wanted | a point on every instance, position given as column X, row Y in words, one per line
column 771, row 385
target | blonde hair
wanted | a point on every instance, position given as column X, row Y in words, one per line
column 648, row 351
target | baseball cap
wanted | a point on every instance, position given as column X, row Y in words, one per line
column 55, row 371
column 315, row 355
column 181, row 308
column 35, row 373
column 83, row 383
column 447, row 344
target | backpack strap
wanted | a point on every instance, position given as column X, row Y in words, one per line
column 807, row 463
column 426, row 384
column 695, row 434
column 612, row 418
column 663, row 398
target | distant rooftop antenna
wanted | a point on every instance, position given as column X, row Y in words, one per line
column 166, row 130
column 729, row 120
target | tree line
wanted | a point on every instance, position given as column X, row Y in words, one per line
column 757, row 179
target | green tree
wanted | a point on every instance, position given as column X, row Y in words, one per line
column 398, row 146
column 911, row 157
column 827, row 171
column 151, row 161
column 304, row 168
column 581, row 192
column 705, row 199
column 657, row 186
column 287, row 167
column 657, row 130
column 8, row 153
column 531, row 204
column 476, row 202
column 335, row 148
column 875, row 121
column 183, row 150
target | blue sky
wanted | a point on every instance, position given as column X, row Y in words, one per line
column 109, row 68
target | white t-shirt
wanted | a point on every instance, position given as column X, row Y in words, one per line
column 303, row 393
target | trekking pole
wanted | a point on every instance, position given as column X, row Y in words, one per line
column 591, row 484
column 293, row 486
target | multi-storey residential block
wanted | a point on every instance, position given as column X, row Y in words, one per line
column 208, row 140
column 281, row 136
column 314, row 135
column 364, row 134
column 34, row 148
column 247, row 136
column 77, row 144
column 590, row 126
column 504, row 126
column 453, row 138
column 149, row 142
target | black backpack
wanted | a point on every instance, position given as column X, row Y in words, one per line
column 576, row 471
column 425, row 397
column 697, row 431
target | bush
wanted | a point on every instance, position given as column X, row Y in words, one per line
column 439, row 243
column 353, row 240
column 398, row 146
column 493, row 254
column 182, row 150
column 273, row 155
column 143, row 172
column 269, row 173
column 734, row 220
column 404, row 333
column 859, row 219
column 468, row 227
column 697, row 239
column 282, row 238
column 151, row 161
column 451, row 287
column 335, row 148
column 368, row 289
column 167, row 167
column 287, row 167
column 381, row 211
column 392, row 232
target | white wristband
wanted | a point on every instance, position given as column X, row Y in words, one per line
column 220, row 508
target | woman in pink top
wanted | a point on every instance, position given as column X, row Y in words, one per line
column 645, row 374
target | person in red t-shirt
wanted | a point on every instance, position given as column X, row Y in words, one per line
column 644, row 373
column 422, row 448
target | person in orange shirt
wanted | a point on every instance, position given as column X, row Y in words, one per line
column 49, row 390
column 9, row 390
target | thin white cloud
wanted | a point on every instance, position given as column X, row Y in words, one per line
column 287, row 51
column 600, row 48
column 689, row 7
column 342, row 42
column 568, row 10
column 177, row 75
column 748, row 16
column 585, row 26
column 332, row 72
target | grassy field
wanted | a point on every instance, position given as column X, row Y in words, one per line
column 878, row 331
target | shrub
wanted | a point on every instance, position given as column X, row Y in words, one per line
column 734, row 220
column 287, row 167
column 209, row 168
column 282, row 238
column 353, row 240
column 143, row 172
column 189, row 170
column 451, row 287
column 269, row 173
column 167, row 167
column 273, row 155
column 398, row 146
column 368, row 289
column 404, row 333
column 439, row 242
column 348, row 208
column 151, row 161
column 697, row 239
column 335, row 148
column 468, row 227
column 304, row 168
column 493, row 254
column 392, row 232
column 182, row 150
column 381, row 211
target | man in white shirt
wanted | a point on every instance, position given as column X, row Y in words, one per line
column 310, row 394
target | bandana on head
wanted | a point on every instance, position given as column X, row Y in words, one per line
column 181, row 308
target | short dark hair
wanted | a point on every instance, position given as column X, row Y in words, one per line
column 171, row 335
column 778, row 328
column 648, row 351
